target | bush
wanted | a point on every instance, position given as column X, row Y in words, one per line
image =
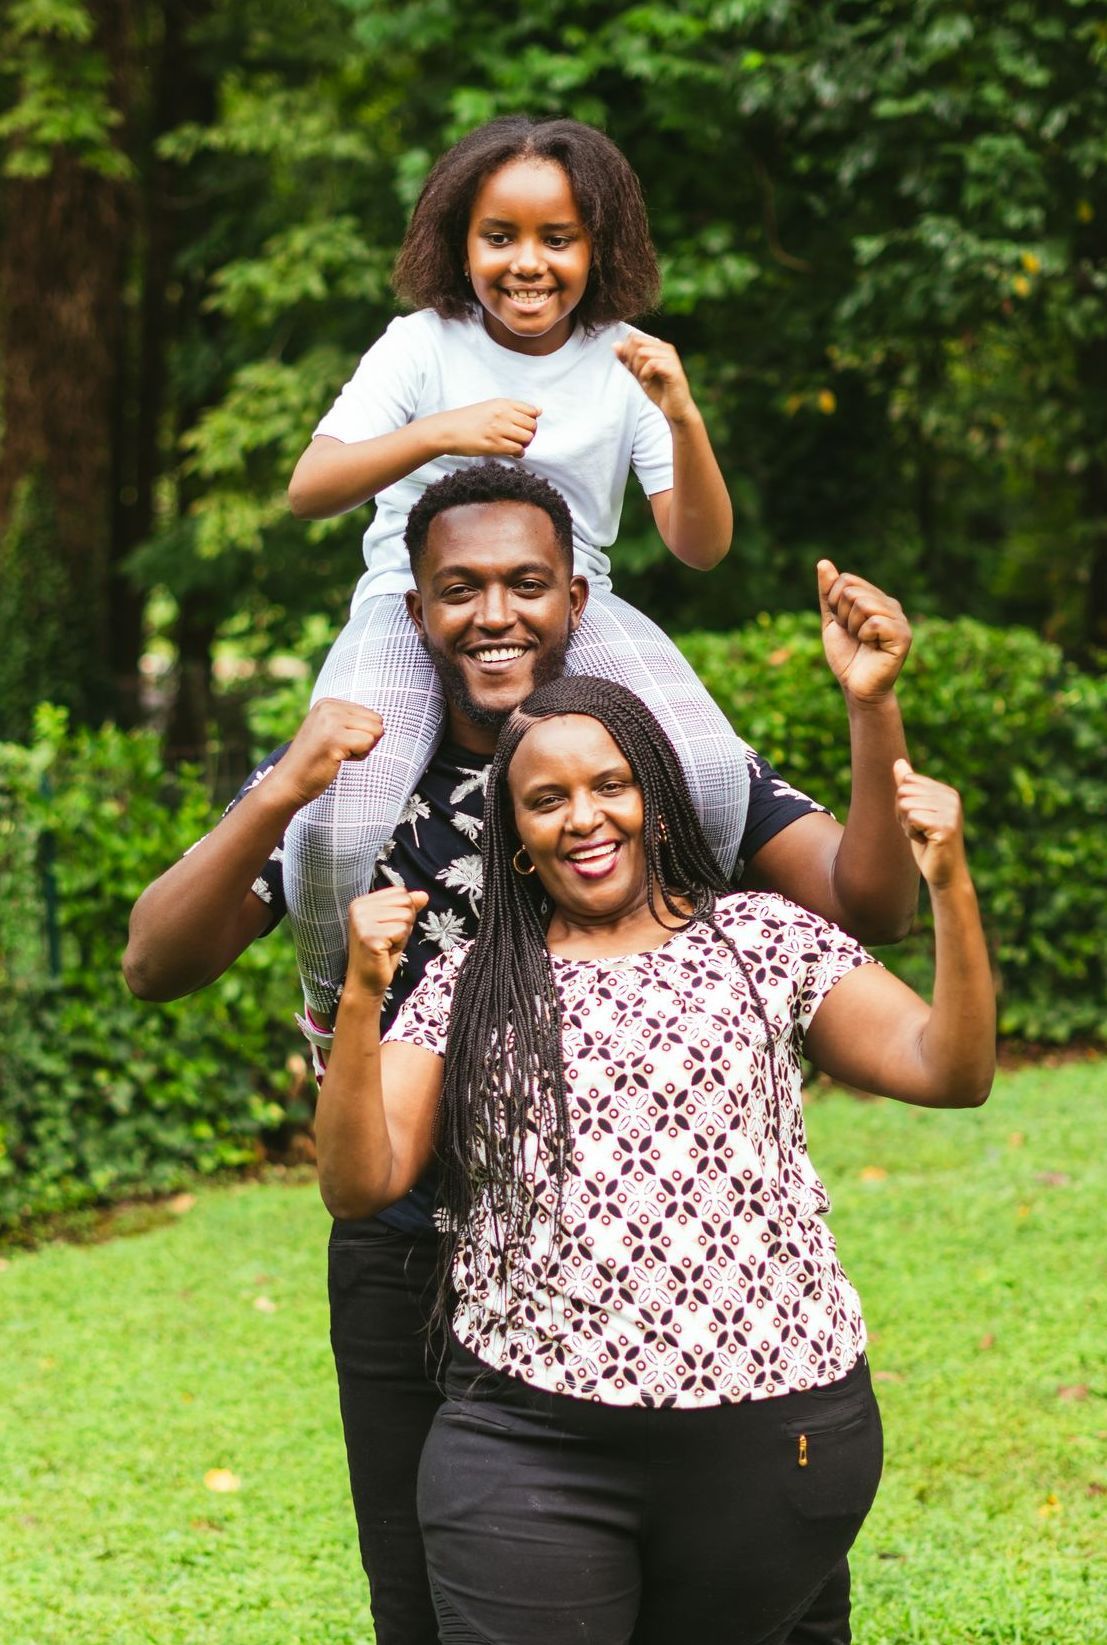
column 102, row 1096
column 1021, row 733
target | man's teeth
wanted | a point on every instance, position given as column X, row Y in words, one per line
column 500, row 653
column 593, row 853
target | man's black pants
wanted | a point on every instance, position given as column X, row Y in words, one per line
column 382, row 1284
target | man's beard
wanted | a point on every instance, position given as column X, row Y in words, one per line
column 549, row 665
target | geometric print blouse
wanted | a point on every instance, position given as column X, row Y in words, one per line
column 691, row 1264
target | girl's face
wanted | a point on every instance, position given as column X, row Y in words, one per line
column 527, row 255
column 578, row 811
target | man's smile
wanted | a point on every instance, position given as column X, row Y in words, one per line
column 497, row 658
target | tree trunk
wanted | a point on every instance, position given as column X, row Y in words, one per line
column 61, row 268
column 60, row 340
column 1092, row 378
column 175, row 91
column 186, row 735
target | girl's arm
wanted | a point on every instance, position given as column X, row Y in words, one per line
column 333, row 476
column 695, row 518
column 374, row 1122
column 873, row 1031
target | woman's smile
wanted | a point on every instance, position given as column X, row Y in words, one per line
column 595, row 862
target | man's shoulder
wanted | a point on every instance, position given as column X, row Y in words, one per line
column 450, row 763
column 774, row 804
column 258, row 775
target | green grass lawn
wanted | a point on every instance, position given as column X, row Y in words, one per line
column 133, row 1368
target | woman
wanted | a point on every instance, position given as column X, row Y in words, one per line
column 660, row 1421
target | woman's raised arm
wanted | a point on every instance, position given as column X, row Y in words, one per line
column 873, row 1031
column 374, row 1123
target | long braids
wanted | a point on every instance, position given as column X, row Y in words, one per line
column 504, row 1094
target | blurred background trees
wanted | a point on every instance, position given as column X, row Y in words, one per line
column 883, row 227
column 884, row 234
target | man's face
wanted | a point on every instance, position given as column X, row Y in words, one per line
column 495, row 607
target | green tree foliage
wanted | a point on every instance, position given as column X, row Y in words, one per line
column 882, row 228
column 1020, row 732
column 883, row 265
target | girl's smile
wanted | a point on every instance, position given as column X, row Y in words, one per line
column 527, row 255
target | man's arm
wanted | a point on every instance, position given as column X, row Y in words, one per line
column 193, row 922
column 863, row 875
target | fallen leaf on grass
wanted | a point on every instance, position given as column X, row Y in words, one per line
column 4, row 1263
column 222, row 1480
column 1023, row 1211
column 180, row 1203
column 1073, row 1391
column 1095, row 1488
column 205, row 1525
column 265, row 1305
column 1051, row 1505
column 873, row 1173
column 1016, row 1139
column 987, row 1341
column 262, row 1279
column 1053, row 1179
column 887, row 1376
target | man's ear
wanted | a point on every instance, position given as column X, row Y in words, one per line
column 414, row 602
column 578, row 599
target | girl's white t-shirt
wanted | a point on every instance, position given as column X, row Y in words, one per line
column 596, row 425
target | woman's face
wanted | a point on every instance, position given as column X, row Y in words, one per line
column 527, row 255
column 578, row 812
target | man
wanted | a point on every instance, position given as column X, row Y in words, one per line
column 496, row 604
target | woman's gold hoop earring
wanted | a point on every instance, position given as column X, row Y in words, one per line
column 522, row 851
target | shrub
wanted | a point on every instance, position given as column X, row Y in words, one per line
column 1022, row 734
column 102, row 1096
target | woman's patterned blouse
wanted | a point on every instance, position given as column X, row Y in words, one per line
column 691, row 1265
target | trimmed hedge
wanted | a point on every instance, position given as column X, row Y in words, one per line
column 1021, row 733
column 102, row 1096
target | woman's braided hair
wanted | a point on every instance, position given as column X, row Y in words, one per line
column 623, row 281
column 504, row 1079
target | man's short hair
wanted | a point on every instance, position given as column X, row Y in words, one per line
column 487, row 483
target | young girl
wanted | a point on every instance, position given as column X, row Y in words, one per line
column 528, row 249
